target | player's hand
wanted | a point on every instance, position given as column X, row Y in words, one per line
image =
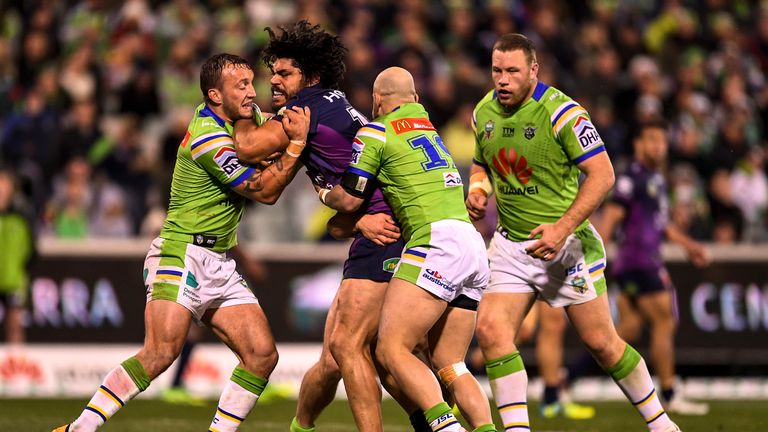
column 379, row 228
column 552, row 239
column 476, row 205
column 698, row 254
column 296, row 123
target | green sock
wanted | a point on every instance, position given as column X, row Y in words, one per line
column 490, row 427
column 296, row 427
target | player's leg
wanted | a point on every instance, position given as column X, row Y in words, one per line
column 549, row 353
column 14, row 310
column 449, row 339
column 318, row 387
column 592, row 321
column 177, row 392
column 504, row 305
column 400, row 331
column 166, row 325
column 631, row 322
column 499, row 317
column 583, row 292
column 355, row 327
column 245, row 330
column 415, row 414
column 659, row 310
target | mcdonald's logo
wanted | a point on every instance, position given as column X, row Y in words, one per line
column 412, row 124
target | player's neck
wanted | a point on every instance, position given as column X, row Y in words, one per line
column 219, row 111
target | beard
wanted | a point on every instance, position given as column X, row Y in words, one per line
column 232, row 110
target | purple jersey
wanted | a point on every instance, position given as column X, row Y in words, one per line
column 333, row 125
column 643, row 194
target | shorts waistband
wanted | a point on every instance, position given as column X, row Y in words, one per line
column 202, row 240
column 504, row 233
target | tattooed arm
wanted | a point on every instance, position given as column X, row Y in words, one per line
column 266, row 184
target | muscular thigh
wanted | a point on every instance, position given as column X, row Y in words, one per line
column 244, row 328
column 358, row 306
column 449, row 339
column 408, row 314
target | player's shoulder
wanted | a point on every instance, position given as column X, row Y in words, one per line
column 552, row 99
column 485, row 101
column 375, row 129
column 205, row 121
column 319, row 96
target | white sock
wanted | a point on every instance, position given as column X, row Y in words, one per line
column 116, row 390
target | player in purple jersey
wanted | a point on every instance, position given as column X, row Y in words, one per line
column 639, row 207
column 307, row 65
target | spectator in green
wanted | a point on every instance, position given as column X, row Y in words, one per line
column 17, row 243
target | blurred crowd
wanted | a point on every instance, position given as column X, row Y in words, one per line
column 97, row 94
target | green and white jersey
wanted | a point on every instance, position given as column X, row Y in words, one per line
column 532, row 154
column 204, row 210
column 403, row 152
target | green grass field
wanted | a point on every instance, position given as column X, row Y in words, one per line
column 143, row 415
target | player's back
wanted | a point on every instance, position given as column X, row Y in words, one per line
column 334, row 123
column 415, row 170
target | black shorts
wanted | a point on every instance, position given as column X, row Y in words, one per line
column 641, row 282
column 12, row 299
column 464, row 302
column 369, row 261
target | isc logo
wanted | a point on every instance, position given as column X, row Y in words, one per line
column 570, row 271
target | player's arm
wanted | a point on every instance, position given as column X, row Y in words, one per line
column 380, row 228
column 480, row 188
column 254, row 143
column 611, row 215
column 697, row 253
column 266, row 184
column 599, row 179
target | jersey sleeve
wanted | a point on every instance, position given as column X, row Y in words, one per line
column 215, row 153
column 575, row 132
column 367, row 149
column 477, row 157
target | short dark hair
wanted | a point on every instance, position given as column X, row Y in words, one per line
column 652, row 123
column 313, row 50
column 516, row 41
column 210, row 72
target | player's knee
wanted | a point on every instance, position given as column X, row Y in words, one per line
column 262, row 362
column 604, row 346
column 385, row 354
column 329, row 365
column 157, row 359
column 488, row 331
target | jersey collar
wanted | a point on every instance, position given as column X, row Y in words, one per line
column 208, row 112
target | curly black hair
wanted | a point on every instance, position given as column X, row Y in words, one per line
column 313, row 50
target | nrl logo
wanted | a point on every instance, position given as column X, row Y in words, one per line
column 529, row 131
column 489, row 129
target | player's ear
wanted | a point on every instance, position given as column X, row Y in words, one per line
column 215, row 96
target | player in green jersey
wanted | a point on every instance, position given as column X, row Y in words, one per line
column 187, row 273
column 443, row 269
column 534, row 141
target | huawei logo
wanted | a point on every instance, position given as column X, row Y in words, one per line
column 507, row 163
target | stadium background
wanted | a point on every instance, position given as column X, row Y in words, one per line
column 96, row 96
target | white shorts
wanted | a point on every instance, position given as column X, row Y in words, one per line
column 194, row 277
column 576, row 275
column 446, row 258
